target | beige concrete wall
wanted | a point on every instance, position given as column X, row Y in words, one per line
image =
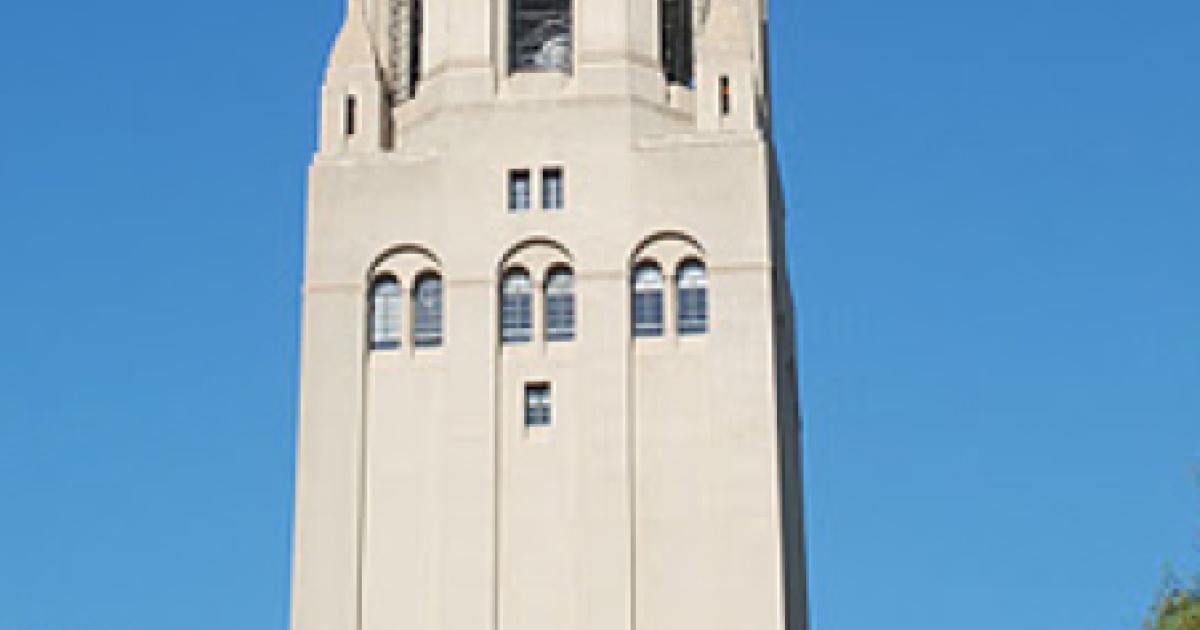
column 666, row 494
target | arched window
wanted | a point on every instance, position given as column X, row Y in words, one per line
column 692, row 285
column 516, row 307
column 540, row 35
column 560, row 305
column 647, row 301
column 427, row 311
column 386, row 297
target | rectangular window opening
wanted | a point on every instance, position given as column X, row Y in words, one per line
column 693, row 312
column 560, row 318
column 415, row 32
column 519, row 191
column 538, row 405
column 553, row 189
column 648, row 314
column 676, row 16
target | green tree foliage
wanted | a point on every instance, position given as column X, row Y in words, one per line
column 1179, row 610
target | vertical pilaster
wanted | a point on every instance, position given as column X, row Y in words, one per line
column 326, row 555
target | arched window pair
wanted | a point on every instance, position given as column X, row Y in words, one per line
column 387, row 307
column 516, row 306
column 691, row 299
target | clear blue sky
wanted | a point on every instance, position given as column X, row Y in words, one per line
column 995, row 215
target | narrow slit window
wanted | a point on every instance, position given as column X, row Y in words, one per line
column 538, row 405
column 519, row 191
column 351, row 115
column 726, row 96
column 540, row 35
column 416, row 26
column 553, row 189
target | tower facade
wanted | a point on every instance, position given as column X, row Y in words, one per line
column 548, row 373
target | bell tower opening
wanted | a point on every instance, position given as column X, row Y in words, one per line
column 405, row 30
column 676, row 32
column 540, row 35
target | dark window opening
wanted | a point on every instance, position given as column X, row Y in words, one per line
column 676, row 32
column 415, row 29
column 540, row 35
column 351, row 115
column 405, row 29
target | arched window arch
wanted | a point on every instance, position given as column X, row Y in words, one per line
column 647, row 301
column 691, row 282
column 386, row 299
column 427, row 311
column 516, row 307
column 560, row 305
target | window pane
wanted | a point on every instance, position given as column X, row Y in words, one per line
column 553, row 190
column 427, row 312
column 540, row 35
column 647, row 302
column 386, row 332
column 560, row 306
column 516, row 308
column 519, row 191
column 537, row 406
column 693, row 299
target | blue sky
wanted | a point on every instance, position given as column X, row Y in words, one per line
column 994, row 207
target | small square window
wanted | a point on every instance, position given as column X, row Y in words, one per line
column 553, row 189
column 537, row 405
column 519, row 191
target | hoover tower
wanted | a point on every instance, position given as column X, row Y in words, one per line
column 548, row 368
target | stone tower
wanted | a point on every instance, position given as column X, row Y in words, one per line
column 548, row 374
